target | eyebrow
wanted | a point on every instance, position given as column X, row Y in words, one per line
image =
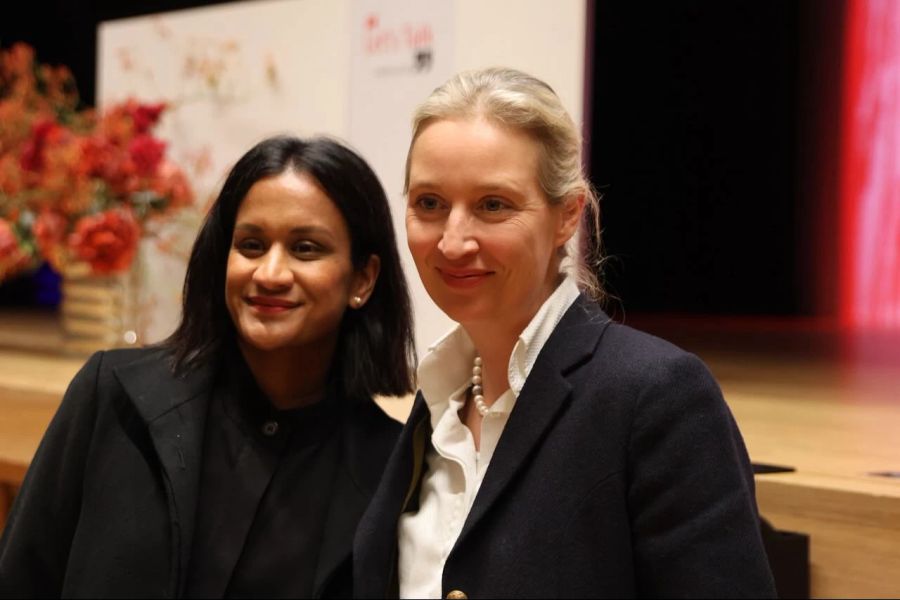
column 491, row 186
column 306, row 229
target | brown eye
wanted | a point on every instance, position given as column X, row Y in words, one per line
column 306, row 248
column 250, row 247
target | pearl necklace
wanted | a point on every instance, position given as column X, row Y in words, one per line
column 477, row 390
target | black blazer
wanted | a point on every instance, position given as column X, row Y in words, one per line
column 107, row 506
column 620, row 473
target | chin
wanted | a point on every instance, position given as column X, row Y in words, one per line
column 465, row 310
column 267, row 341
column 266, row 344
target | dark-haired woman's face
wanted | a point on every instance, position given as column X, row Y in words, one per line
column 289, row 277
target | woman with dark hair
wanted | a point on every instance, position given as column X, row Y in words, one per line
column 235, row 458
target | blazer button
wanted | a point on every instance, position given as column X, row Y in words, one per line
column 457, row 595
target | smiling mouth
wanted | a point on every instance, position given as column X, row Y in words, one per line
column 271, row 305
column 464, row 278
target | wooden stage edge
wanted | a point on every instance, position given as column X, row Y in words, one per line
column 821, row 401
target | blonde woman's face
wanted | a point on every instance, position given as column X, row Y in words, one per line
column 480, row 228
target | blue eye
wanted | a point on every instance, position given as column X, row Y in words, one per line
column 428, row 203
column 493, row 204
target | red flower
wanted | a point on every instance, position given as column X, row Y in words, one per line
column 146, row 152
column 12, row 258
column 102, row 159
column 145, row 116
column 42, row 134
column 66, row 164
column 107, row 241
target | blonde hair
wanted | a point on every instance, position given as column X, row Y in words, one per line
column 518, row 100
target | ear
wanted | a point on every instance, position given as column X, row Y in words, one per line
column 364, row 282
column 570, row 211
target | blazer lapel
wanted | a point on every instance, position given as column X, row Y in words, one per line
column 375, row 544
column 545, row 394
column 175, row 423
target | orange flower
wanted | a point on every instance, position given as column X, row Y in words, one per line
column 50, row 230
column 86, row 180
column 172, row 183
column 13, row 259
column 60, row 86
column 17, row 63
column 58, row 176
column 15, row 124
column 79, row 199
column 107, row 241
column 117, row 125
column 97, row 157
column 10, row 175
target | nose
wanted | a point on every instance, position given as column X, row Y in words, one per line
column 457, row 240
column 273, row 272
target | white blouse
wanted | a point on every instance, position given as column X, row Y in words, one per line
column 455, row 469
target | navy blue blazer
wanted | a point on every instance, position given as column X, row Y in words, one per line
column 621, row 473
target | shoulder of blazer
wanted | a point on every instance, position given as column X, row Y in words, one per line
column 587, row 331
column 147, row 379
column 575, row 338
column 641, row 356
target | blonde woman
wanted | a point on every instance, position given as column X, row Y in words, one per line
column 550, row 452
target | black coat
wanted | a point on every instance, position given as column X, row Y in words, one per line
column 620, row 473
column 107, row 506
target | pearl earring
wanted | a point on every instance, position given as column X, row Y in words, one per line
column 357, row 301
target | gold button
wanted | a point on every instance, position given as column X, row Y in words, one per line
column 457, row 595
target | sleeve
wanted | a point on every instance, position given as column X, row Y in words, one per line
column 696, row 530
column 35, row 545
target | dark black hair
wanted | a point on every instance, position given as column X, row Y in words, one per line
column 375, row 352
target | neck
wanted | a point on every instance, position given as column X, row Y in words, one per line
column 291, row 377
column 494, row 348
column 494, row 341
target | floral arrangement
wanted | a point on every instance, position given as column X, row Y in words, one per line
column 76, row 186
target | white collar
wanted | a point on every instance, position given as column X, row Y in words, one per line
column 446, row 369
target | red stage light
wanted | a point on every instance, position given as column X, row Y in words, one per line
column 870, row 166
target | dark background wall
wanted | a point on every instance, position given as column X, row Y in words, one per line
column 705, row 115
column 708, row 139
column 694, row 145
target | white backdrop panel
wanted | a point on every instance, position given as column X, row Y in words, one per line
column 238, row 72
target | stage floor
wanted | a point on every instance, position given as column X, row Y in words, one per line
column 824, row 402
column 821, row 401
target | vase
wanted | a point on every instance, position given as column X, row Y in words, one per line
column 99, row 312
column 137, row 307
